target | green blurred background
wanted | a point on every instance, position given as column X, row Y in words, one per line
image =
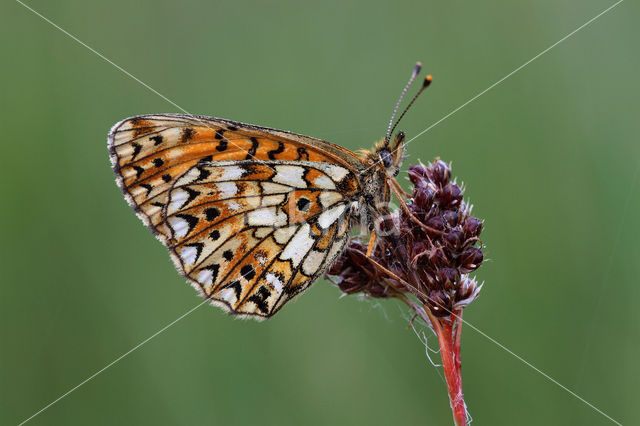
column 550, row 158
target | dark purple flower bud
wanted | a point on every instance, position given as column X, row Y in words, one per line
column 423, row 196
column 417, row 174
column 435, row 222
column 454, row 238
column 451, row 195
column 450, row 217
column 439, row 303
column 438, row 258
column 472, row 227
column 448, row 277
column 439, row 172
column 470, row 259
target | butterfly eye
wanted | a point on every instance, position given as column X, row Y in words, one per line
column 386, row 157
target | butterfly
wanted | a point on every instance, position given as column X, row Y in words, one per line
column 251, row 216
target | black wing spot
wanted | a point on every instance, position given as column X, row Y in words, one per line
column 136, row 149
column 303, row 204
column 254, row 147
column 187, row 134
column 222, row 146
column 166, row 178
column 278, row 150
column 158, row 162
column 147, row 187
column 157, row 140
column 248, row 272
column 260, row 299
column 228, row 255
column 303, row 155
column 214, row 235
column 207, row 159
column 139, row 171
column 204, row 173
column 191, row 195
column 219, row 134
column 212, row 213
column 232, row 128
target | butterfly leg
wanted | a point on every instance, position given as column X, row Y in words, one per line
column 372, row 243
column 397, row 186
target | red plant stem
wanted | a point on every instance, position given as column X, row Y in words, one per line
column 449, row 332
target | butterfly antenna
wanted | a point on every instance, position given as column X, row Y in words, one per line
column 414, row 74
column 425, row 84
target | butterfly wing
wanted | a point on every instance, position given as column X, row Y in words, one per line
column 251, row 216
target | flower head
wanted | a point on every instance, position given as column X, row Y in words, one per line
column 429, row 248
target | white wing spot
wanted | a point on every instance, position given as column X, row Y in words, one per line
column 178, row 198
column 262, row 232
column 180, row 226
column 290, row 175
column 188, row 177
column 337, row 173
column 274, row 281
column 298, row 246
column 274, row 188
column 232, row 173
column 188, row 255
column 328, row 217
column 329, row 198
column 233, row 205
column 282, row 235
column 227, row 189
column 205, row 276
column 228, row 294
column 266, row 217
column 313, row 262
column 271, row 200
column 324, row 182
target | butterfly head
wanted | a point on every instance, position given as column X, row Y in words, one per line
column 390, row 155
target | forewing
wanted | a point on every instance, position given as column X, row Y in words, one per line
column 149, row 152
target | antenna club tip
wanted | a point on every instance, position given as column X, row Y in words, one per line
column 427, row 80
column 417, row 67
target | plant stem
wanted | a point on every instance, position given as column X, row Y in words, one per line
column 449, row 331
